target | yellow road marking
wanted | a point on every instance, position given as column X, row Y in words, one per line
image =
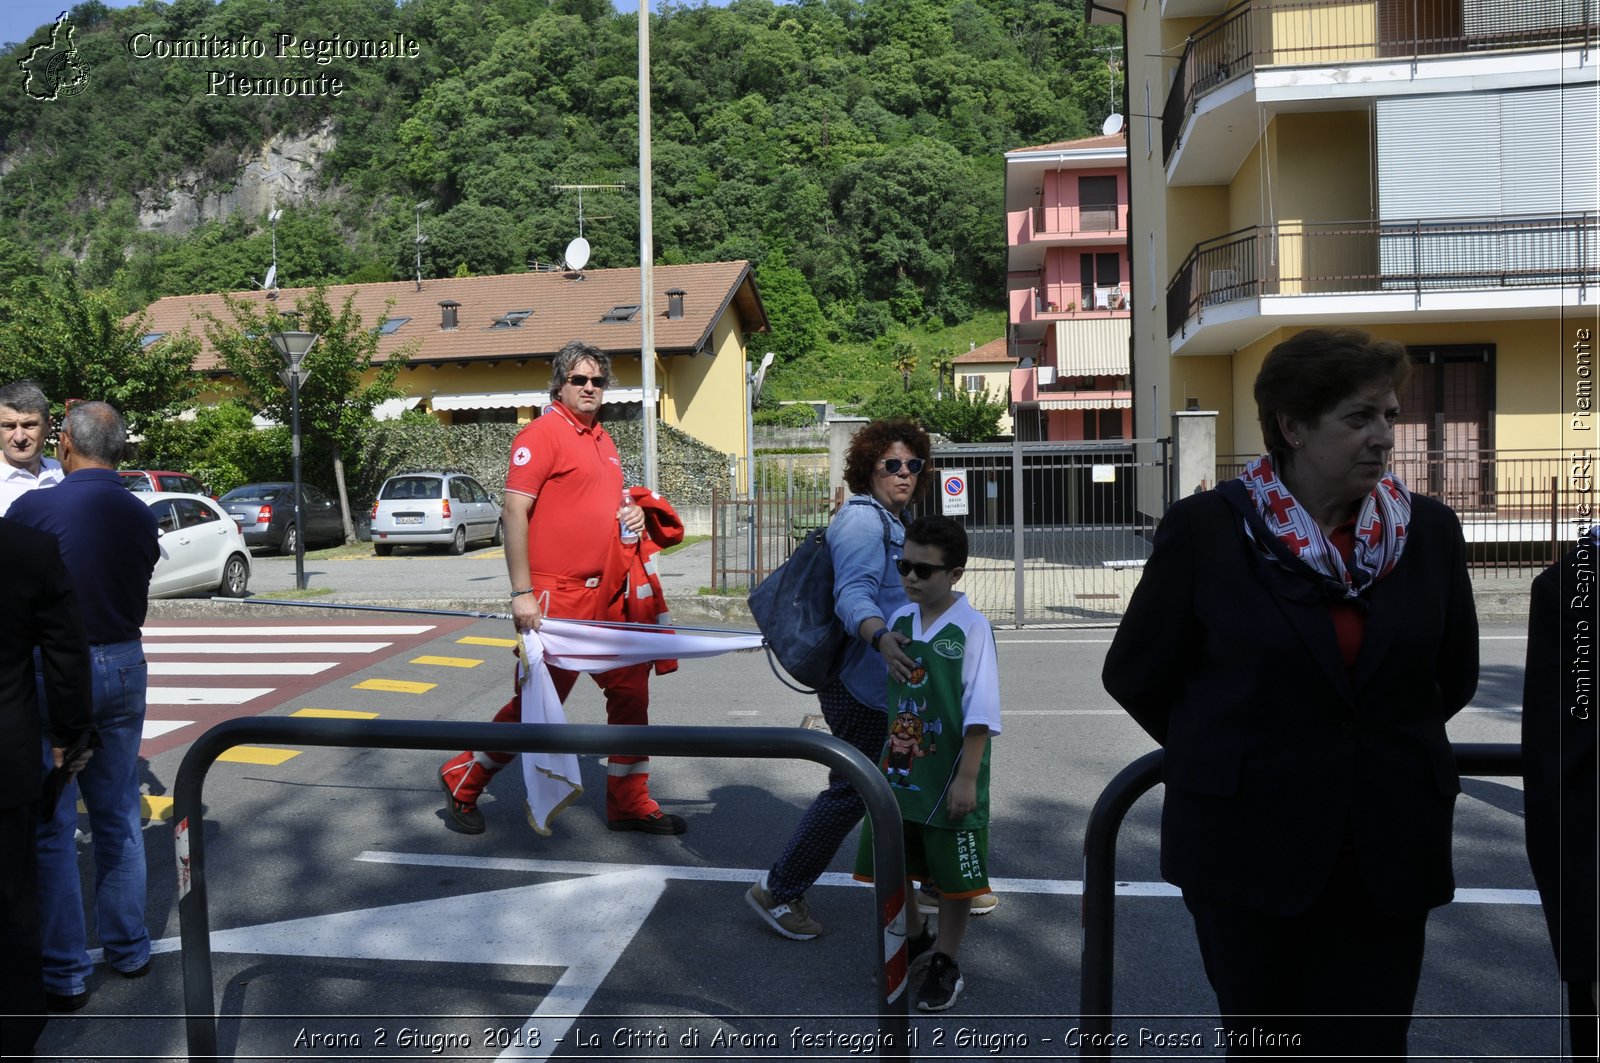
column 258, row 755
column 479, row 640
column 335, row 714
column 152, row 807
column 394, row 686
column 449, row 662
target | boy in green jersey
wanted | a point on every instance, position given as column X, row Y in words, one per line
column 942, row 712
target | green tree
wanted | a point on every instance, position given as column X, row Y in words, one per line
column 966, row 417
column 905, row 362
column 75, row 345
column 798, row 330
column 345, row 380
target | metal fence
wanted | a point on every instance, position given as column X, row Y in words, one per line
column 1055, row 533
column 1519, row 509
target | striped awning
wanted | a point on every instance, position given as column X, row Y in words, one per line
column 1093, row 347
column 500, row 400
column 1088, row 400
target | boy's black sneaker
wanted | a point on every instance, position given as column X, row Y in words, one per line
column 942, row 985
column 917, row 948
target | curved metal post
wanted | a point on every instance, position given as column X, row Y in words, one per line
column 199, row 993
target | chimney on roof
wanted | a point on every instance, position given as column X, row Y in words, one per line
column 675, row 303
column 447, row 319
column 972, row 345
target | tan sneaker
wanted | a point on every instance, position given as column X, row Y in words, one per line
column 788, row 918
column 928, row 902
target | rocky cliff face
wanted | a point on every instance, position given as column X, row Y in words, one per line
column 287, row 170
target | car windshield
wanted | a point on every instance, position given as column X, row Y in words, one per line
column 252, row 493
column 412, row 487
column 135, row 481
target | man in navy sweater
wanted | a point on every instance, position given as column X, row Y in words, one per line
column 108, row 544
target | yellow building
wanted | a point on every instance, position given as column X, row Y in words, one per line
column 484, row 344
column 987, row 371
column 1424, row 170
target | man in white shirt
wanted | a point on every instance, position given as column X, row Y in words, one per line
column 24, row 424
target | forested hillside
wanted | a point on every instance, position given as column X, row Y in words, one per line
column 852, row 148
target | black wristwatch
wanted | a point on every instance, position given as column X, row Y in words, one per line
column 876, row 635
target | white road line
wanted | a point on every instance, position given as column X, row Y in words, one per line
column 1042, row 886
column 336, row 629
column 157, row 728
column 264, row 648
column 203, row 695
column 240, row 667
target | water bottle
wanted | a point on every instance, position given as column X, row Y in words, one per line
column 629, row 536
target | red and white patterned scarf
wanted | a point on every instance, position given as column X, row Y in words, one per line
column 1380, row 536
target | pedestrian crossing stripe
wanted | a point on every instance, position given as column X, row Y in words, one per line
column 448, row 662
column 335, row 714
column 480, row 640
column 258, row 755
column 394, row 686
column 151, row 807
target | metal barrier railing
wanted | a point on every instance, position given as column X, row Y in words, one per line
column 883, row 812
column 1100, row 867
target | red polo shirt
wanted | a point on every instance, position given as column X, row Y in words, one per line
column 573, row 471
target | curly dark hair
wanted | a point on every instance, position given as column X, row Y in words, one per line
column 1313, row 371
column 943, row 534
column 868, row 445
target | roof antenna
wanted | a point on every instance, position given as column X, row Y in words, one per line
column 577, row 254
column 420, row 240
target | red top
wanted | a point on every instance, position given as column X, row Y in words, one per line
column 1349, row 619
column 573, row 470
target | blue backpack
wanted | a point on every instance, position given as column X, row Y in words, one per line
column 794, row 606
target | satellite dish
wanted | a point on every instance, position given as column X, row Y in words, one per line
column 272, row 275
column 1112, row 125
column 577, row 254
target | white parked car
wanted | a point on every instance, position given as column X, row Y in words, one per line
column 202, row 549
column 448, row 509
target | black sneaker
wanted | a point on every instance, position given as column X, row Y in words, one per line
column 942, row 984
column 466, row 816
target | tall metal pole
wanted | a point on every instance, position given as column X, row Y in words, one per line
column 647, row 303
column 299, row 523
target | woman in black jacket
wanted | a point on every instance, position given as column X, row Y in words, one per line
column 1296, row 644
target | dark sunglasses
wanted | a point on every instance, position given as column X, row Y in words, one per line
column 912, row 465
column 921, row 568
column 578, row 380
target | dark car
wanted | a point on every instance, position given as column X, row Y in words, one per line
column 161, row 480
column 265, row 515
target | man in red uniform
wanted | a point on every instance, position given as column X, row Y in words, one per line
column 562, row 512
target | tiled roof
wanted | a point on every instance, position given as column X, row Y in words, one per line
column 1086, row 143
column 565, row 306
column 993, row 351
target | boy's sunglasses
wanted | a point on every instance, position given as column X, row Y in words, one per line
column 921, row 568
column 912, row 465
column 578, row 380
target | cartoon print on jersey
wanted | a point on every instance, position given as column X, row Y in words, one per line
column 910, row 738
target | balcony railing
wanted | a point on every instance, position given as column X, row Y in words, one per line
column 1059, row 221
column 1386, row 256
column 1324, row 32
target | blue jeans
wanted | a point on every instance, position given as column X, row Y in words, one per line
column 110, row 788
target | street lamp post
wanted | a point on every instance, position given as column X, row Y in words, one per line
column 292, row 347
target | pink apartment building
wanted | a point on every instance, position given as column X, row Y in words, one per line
column 1068, row 289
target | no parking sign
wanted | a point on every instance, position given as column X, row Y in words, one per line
column 953, row 492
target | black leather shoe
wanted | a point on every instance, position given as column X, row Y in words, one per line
column 137, row 972
column 654, row 823
column 467, row 817
column 64, row 1002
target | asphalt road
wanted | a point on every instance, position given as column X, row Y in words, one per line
column 350, row 922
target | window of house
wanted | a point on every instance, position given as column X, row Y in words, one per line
column 1099, row 272
column 390, row 326
column 512, row 319
column 1097, row 203
column 1102, row 424
column 619, row 314
column 972, row 383
column 1444, row 431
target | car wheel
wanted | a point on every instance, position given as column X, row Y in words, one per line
column 235, row 574
column 458, row 542
column 383, row 549
column 499, row 534
column 290, row 536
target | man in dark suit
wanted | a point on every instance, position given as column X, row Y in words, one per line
column 1561, row 785
column 41, row 613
